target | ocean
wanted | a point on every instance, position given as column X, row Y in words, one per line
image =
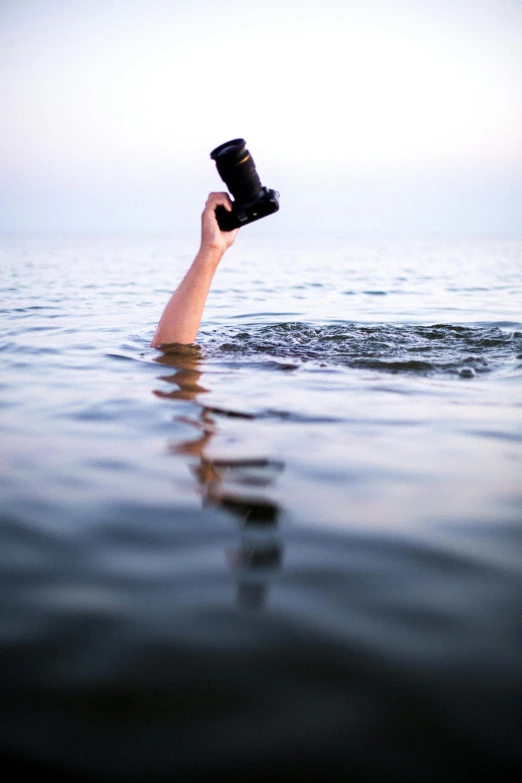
column 293, row 548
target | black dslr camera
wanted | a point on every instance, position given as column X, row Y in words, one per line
column 237, row 169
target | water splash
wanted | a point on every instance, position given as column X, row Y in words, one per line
column 423, row 350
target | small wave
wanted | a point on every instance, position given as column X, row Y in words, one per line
column 448, row 349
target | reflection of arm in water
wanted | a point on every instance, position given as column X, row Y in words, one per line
column 240, row 485
column 180, row 320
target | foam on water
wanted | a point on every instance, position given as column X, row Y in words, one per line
column 441, row 349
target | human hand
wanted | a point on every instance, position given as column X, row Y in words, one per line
column 212, row 237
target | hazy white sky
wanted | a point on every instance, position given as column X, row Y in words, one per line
column 397, row 115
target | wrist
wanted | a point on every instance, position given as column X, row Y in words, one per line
column 209, row 254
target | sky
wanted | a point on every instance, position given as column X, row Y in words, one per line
column 400, row 116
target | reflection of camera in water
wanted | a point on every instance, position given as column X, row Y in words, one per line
column 252, row 200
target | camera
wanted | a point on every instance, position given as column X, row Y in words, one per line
column 252, row 201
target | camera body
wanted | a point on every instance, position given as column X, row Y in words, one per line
column 252, row 201
column 266, row 202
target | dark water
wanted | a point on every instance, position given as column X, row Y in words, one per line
column 296, row 548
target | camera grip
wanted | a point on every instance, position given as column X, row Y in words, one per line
column 227, row 221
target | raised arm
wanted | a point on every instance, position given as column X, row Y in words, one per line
column 181, row 317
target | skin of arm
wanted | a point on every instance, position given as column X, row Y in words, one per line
column 181, row 317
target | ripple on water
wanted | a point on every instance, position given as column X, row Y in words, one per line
column 446, row 349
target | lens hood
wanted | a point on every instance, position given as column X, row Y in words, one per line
column 229, row 149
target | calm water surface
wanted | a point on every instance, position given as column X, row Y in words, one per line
column 296, row 547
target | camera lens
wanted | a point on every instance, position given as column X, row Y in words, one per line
column 237, row 169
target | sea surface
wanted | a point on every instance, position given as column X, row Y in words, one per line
column 294, row 548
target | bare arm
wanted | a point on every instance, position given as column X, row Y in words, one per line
column 181, row 317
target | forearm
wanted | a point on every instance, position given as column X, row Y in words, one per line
column 181, row 318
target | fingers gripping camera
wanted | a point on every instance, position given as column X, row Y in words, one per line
column 252, row 201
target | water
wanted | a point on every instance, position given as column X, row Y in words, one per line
column 296, row 548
